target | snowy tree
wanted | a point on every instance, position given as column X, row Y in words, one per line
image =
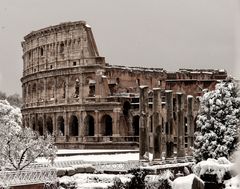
column 20, row 146
column 217, row 122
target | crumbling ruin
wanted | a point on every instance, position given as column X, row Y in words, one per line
column 71, row 92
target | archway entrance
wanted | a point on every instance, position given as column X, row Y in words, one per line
column 107, row 125
column 73, row 127
column 60, row 126
column 49, row 124
column 89, row 125
column 135, row 125
column 40, row 126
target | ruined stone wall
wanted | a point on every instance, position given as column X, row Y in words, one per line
column 69, row 91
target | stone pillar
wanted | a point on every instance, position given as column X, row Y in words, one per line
column 44, row 124
column 157, row 128
column 66, row 125
column 180, row 125
column 81, row 89
column 55, row 90
column 143, row 133
column 190, row 123
column 45, row 89
column 116, row 121
column 67, row 90
column 55, row 129
column 97, row 124
column 169, row 123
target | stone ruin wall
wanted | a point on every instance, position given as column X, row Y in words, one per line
column 69, row 90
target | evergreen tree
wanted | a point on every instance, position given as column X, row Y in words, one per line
column 218, row 122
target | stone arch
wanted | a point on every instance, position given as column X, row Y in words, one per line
column 135, row 125
column 89, row 125
column 49, row 125
column 60, row 126
column 40, row 125
column 73, row 126
column 126, row 108
column 106, row 125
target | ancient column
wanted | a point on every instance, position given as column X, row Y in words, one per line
column 116, row 119
column 190, row 123
column 55, row 90
column 143, row 131
column 169, row 123
column 45, row 90
column 157, row 128
column 97, row 124
column 67, row 90
column 66, row 125
column 180, row 125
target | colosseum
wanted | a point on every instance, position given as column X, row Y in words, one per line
column 71, row 92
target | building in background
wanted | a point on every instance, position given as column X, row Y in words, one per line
column 71, row 92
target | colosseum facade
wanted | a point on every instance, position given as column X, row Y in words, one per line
column 71, row 92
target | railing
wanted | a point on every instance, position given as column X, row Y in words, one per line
column 100, row 165
column 27, row 177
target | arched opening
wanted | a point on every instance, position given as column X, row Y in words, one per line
column 49, row 124
column 126, row 108
column 73, row 129
column 60, row 126
column 40, row 126
column 107, row 125
column 135, row 125
column 170, row 147
column 33, row 125
column 89, row 125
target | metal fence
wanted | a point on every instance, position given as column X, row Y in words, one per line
column 27, row 177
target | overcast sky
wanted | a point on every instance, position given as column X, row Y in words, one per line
column 170, row 34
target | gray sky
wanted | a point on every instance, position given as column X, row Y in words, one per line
column 171, row 34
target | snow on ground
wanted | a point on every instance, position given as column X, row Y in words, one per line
column 83, row 151
column 94, row 158
column 233, row 183
column 94, row 180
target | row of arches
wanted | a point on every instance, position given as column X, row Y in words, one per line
column 106, row 126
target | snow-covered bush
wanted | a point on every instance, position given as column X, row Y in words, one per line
column 188, row 182
column 217, row 122
column 20, row 146
column 213, row 167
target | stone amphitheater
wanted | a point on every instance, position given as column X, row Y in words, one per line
column 71, row 92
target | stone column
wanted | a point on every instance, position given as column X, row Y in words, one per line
column 143, row 133
column 55, row 90
column 44, row 124
column 157, row 128
column 97, row 124
column 169, row 123
column 66, row 125
column 55, row 129
column 190, row 123
column 67, row 90
column 180, row 125
column 116, row 119
column 45, row 89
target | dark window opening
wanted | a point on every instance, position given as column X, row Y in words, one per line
column 41, row 51
column 135, row 125
column 60, row 123
column 77, row 85
column 91, row 91
column 73, row 126
column 74, row 63
column 89, row 124
column 138, row 82
column 40, row 126
column 61, row 48
column 118, row 81
column 186, row 125
column 107, row 125
column 126, row 108
column 49, row 123
column 166, row 128
column 151, row 123
column 51, row 66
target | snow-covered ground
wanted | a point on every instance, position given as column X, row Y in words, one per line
column 87, row 151
column 94, row 158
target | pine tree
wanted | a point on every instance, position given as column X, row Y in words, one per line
column 218, row 122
